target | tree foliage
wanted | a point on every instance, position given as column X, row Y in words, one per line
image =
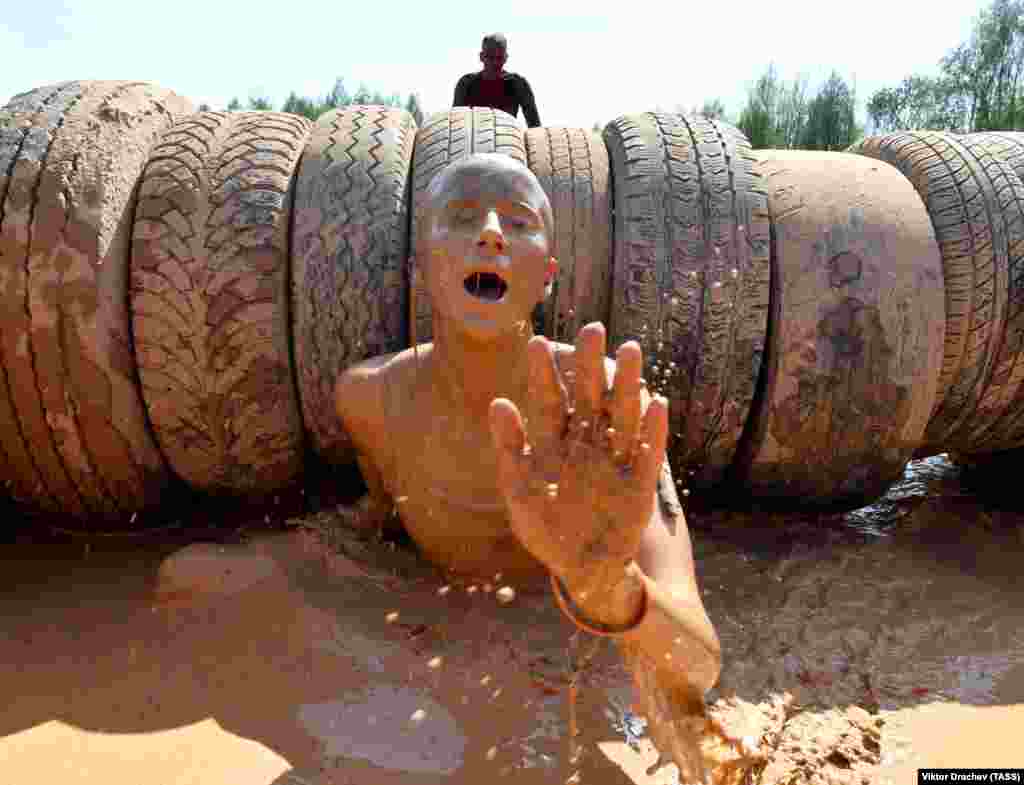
column 924, row 102
column 831, row 118
column 978, row 86
column 778, row 113
column 338, row 96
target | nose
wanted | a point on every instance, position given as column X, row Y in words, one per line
column 491, row 235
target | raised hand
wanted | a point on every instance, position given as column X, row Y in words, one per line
column 579, row 478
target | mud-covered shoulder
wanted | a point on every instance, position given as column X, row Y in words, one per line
column 359, row 396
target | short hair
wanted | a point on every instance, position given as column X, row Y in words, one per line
column 440, row 180
column 495, row 39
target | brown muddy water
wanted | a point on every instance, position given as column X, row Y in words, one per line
column 858, row 647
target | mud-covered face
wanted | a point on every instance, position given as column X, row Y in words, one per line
column 487, row 245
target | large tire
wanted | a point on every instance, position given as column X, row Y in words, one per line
column 32, row 469
column 210, row 299
column 855, row 335
column 691, row 277
column 446, row 138
column 975, row 205
column 349, row 253
column 1007, row 430
column 572, row 166
column 67, row 349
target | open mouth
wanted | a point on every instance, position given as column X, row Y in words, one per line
column 486, row 286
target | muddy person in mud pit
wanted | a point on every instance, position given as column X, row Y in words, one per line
column 504, row 452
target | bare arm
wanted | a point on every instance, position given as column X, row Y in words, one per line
column 359, row 404
column 529, row 104
column 461, row 89
column 674, row 654
column 625, row 562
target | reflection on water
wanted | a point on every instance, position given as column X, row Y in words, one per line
column 931, row 477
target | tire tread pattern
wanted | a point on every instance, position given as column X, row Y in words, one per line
column 210, row 289
column 67, row 216
column 691, row 277
column 34, row 470
column 349, row 252
column 975, row 204
column 572, row 166
column 446, row 138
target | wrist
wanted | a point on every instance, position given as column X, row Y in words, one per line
column 609, row 594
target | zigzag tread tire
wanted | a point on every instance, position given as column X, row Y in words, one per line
column 210, row 304
column 572, row 166
column 446, row 138
column 691, row 277
column 68, row 353
column 349, row 252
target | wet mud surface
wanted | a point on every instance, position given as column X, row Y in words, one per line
column 858, row 647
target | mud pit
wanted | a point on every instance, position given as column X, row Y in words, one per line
column 857, row 648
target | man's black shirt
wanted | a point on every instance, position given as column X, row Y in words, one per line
column 508, row 94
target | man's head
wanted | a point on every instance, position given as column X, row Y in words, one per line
column 494, row 53
column 485, row 243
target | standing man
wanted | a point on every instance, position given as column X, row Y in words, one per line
column 494, row 86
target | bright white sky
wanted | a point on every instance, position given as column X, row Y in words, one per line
column 585, row 67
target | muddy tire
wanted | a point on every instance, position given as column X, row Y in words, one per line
column 1006, row 430
column 975, row 204
column 572, row 166
column 854, row 349
column 350, row 290
column 31, row 467
column 447, row 137
column 210, row 299
column 690, row 277
column 71, row 159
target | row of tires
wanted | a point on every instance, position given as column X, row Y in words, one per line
column 180, row 289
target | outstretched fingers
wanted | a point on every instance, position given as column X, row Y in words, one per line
column 548, row 402
column 509, row 436
column 650, row 453
column 591, row 380
column 627, row 397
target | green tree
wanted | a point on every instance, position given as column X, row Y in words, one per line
column 412, row 106
column 713, row 109
column 918, row 102
column 831, row 116
column 978, row 87
column 304, row 107
column 791, row 113
column 986, row 71
column 259, row 103
column 757, row 119
column 235, row 105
